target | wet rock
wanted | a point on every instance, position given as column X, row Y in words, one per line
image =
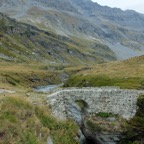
column 111, row 119
column 6, row 91
column 75, row 113
column 49, row 141
column 103, row 128
column 82, row 139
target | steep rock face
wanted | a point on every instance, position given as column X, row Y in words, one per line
column 102, row 130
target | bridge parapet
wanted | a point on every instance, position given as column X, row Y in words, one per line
column 109, row 99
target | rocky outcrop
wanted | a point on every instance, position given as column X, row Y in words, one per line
column 6, row 91
column 101, row 130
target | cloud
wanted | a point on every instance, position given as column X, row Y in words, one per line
column 137, row 5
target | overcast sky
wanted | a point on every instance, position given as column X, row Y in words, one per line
column 137, row 5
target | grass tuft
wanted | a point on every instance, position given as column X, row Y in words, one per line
column 23, row 123
column 127, row 75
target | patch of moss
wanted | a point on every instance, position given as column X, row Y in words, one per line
column 93, row 127
column 105, row 115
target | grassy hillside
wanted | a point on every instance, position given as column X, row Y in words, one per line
column 127, row 74
column 23, row 42
column 23, row 123
column 18, row 75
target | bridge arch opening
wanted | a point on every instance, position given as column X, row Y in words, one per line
column 83, row 105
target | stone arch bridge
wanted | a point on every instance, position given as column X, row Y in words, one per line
column 111, row 100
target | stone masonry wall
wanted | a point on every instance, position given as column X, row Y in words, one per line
column 112, row 100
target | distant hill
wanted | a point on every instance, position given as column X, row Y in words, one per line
column 121, row 31
column 126, row 74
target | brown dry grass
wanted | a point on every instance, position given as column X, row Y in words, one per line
column 129, row 68
column 25, row 75
column 126, row 74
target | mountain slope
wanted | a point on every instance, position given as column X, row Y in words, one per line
column 126, row 74
column 80, row 7
column 83, row 19
column 22, row 42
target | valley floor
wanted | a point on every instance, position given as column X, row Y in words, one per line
column 24, row 114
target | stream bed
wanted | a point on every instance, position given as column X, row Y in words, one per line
column 46, row 89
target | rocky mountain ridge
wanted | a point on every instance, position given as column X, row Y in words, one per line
column 83, row 19
column 85, row 8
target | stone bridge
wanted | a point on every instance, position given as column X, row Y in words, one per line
column 111, row 100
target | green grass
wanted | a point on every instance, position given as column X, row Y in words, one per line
column 62, row 132
column 19, row 123
column 93, row 127
column 104, row 80
column 105, row 115
column 127, row 75
column 105, row 122
column 27, row 75
column 23, row 123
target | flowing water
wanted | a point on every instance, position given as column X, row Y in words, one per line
column 45, row 89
